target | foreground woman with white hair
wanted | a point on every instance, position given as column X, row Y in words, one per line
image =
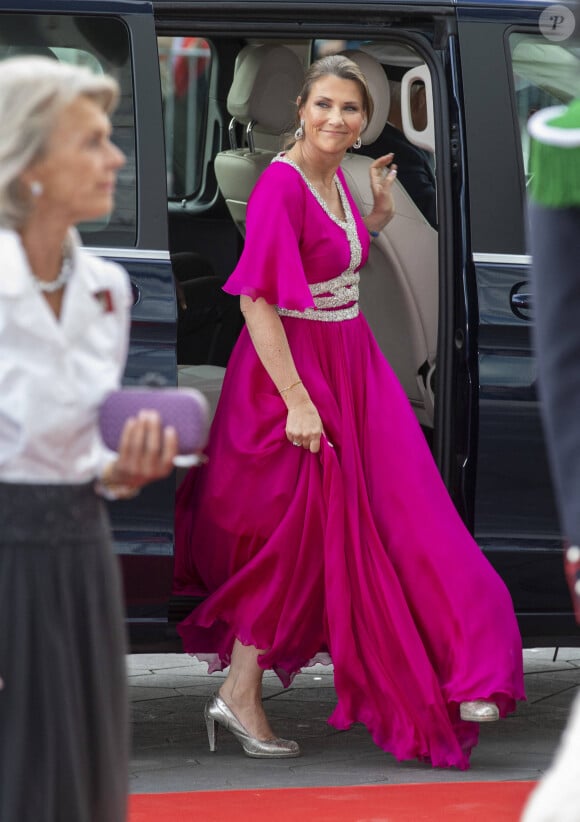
column 64, row 322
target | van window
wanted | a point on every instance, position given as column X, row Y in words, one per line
column 101, row 44
column 185, row 70
column 545, row 74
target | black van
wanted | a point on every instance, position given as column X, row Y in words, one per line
column 446, row 289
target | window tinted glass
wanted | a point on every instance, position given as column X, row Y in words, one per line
column 185, row 70
column 545, row 74
column 101, row 44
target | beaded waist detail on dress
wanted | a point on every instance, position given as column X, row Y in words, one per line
column 335, row 300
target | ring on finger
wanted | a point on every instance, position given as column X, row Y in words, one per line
column 299, row 444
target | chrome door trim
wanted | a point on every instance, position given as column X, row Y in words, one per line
column 506, row 259
column 130, row 253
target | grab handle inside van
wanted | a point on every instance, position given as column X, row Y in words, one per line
column 425, row 139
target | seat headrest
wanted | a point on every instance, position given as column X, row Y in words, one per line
column 267, row 80
column 378, row 84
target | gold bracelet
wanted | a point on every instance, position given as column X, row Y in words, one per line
column 294, row 384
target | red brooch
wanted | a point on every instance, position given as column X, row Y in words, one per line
column 105, row 300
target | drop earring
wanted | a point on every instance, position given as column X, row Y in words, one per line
column 299, row 133
column 357, row 143
column 36, row 188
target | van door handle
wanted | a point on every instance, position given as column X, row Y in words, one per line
column 523, row 302
column 136, row 293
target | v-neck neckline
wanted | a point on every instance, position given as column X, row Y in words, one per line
column 283, row 158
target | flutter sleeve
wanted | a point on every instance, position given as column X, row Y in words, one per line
column 271, row 265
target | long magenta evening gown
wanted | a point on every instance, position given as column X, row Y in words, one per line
column 356, row 551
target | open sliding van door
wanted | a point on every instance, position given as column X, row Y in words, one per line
column 402, row 37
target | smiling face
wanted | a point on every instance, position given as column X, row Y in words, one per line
column 78, row 170
column 333, row 115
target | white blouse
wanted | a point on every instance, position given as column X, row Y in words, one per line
column 54, row 373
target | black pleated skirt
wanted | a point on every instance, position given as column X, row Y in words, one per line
column 63, row 699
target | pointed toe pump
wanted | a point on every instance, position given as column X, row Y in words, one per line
column 479, row 711
column 217, row 713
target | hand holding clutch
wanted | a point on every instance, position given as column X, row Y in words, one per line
column 184, row 409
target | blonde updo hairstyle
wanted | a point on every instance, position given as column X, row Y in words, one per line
column 338, row 66
column 33, row 93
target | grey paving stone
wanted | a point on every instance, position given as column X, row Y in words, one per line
column 143, row 694
column 170, row 750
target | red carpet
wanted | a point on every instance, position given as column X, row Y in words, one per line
column 441, row 802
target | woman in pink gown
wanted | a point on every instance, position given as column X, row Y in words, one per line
column 348, row 544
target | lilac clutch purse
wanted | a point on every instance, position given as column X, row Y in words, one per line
column 186, row 409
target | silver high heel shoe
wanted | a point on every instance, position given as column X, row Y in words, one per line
column 479, row 711
column 217, row 713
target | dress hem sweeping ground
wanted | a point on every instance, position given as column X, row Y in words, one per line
column 357, row 551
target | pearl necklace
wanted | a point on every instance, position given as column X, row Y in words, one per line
column 50, row 286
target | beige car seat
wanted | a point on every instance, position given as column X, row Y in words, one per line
column 267, row 80
column 399, row 284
